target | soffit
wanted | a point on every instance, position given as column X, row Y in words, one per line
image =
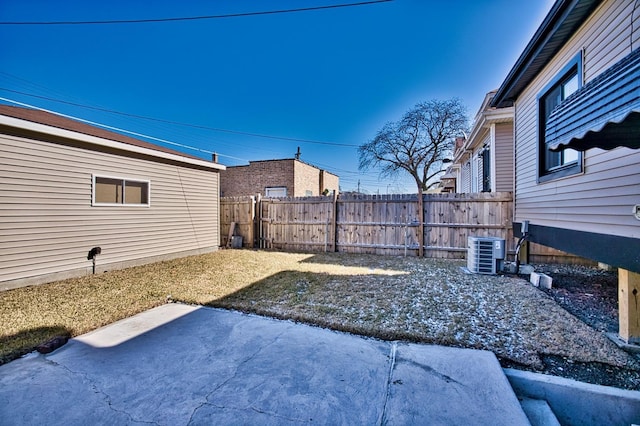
column 562, row 21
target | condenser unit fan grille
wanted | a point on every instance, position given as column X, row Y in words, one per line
column 485, row 254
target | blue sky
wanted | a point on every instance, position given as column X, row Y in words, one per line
column 333, row 76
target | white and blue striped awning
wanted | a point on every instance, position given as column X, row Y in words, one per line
column 605, row 113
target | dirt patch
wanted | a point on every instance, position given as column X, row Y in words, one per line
column 590, row 294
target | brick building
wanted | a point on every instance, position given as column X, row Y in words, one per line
column 277, row 178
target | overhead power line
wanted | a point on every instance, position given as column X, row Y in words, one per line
column 120, row 130
column 177, row 123
column 196, row 18
column 117, row 129
column 364, row 178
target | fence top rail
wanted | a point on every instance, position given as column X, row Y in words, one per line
column 378, row 197
column 455, row 197
column 284, row 200
column 378, row 200
column 244, row 198
column 482, row 196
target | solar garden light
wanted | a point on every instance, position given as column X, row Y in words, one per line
column 92, row 256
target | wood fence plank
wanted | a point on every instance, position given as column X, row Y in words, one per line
column 382, row 224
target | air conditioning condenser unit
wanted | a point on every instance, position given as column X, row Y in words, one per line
column 485, row 255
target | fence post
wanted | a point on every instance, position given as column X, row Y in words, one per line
column 327, row 229
column 406, row 238
column 334, row 222
column 420, row 223
column 252, row 222
column 258, row 221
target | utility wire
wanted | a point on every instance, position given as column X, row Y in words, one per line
column 195, row 18
column 195, row 126
column 370, row 180
column 117, row 129
column 365, row 177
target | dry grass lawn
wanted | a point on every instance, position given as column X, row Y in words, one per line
column 422, row 300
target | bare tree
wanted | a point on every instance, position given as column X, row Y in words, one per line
column 418, row 143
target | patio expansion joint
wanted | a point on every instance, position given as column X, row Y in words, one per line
column 392, row 365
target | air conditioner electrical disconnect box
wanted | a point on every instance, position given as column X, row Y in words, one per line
column 485, row 255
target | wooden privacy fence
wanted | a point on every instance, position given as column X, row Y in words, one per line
column 241, row 212
column 380, row 224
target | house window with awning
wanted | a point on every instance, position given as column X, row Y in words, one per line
column 604, row 113
column 564, row 162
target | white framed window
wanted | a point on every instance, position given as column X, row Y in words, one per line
column 466, row 177
column 117, row 191
column 275, row 191
column 476, row 169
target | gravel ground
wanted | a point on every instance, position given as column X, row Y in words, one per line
column 590, row 294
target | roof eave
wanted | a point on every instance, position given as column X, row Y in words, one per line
column 562, row 21
column 485, row 120
column 97, row 141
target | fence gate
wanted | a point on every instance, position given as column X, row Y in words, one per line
column 451, row 218
column 298, row 224
column 242, row 211
column 380, row 224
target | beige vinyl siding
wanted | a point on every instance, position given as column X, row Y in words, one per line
column 48, row 225
column 503, row 157
column 606, row 37
column 600, row 199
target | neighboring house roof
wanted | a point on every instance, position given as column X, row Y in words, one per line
column 18, row 117
column 564, row 18
column 485, row 116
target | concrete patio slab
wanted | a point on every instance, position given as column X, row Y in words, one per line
column 179, row 364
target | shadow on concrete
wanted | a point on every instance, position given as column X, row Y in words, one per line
column 18, row 344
